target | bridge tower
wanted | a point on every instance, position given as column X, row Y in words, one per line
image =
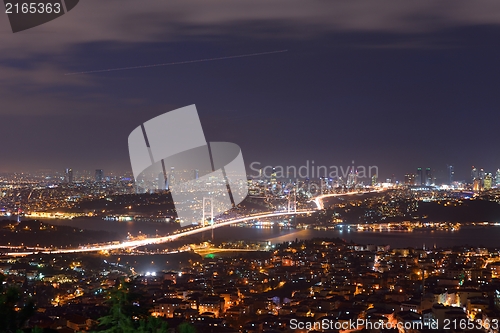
column 210, row 212
column 292, row 201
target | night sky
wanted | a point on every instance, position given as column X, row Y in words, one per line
column 387, row 83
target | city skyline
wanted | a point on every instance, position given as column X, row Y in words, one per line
column 249, row 166
column 436, row 176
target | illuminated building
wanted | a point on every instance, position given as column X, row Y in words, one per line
column 410, row 179
column 451, row 174
column 273, row 177
column 99, row 175
column 497, row 182
column 352, row 178
column 212, row 304
column 474, row 174
column 428, row 177
column 477, row 186
column 488, row 181
column 420, row 177
column 374, row 180
column 166, row 307
column 69, row 175
column 170, row 178
column 481, row 175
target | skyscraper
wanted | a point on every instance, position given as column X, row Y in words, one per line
column 99, row 175
column 497, row 183
column 420, row 177
column 352, row 178
column 69, row 175
column 482, row 174
column 273, row 177
column 477, row 185
column 196, row 174
column 451, row 174
column 428, row 177
column 488, row 181
column 170, row 178
column 474, row 174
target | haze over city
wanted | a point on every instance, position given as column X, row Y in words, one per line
column 249, row 166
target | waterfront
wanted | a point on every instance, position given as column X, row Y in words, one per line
column 488, row 236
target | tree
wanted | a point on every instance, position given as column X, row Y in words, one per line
column 186, row 328
column 152, row 325
column 11, row 320
column 119, row 319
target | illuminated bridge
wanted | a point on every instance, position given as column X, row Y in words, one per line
column 195, row 230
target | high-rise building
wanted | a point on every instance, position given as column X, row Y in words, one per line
column 69, row 175
column 451, row 174
column 352, row 178
column 196, row 174
column 99, row 175
column 273, row 177
column 497, row 176
column 420, row 177
column 488, row 181
column 482, row 174
column 409, row 179
column 477, row 186
column 374, row 180
column 170, row 178
column 474, row 174
column 428, row 177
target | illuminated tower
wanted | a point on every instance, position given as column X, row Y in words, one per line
column 69, row 175
column 488, row 181
column 374, row 180
column 351, row 178
column 497, row 176
column 273, row 177
column 208, row 212
column 170, row 179
column 420, row 177
column 474, row 174
column 477, row 185
column 99, row 175
column 451, row 174
column 428, row 177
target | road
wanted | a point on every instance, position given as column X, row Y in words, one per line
column 319, row 199
column 157, row 240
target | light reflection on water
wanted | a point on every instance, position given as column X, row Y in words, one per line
column 467, row 235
